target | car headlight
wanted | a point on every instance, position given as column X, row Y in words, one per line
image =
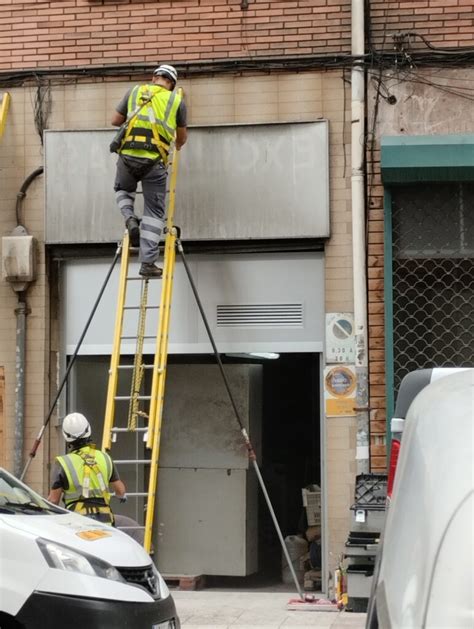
column 65, row 558
column 163, row 589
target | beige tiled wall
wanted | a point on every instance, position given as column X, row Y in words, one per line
column 226, row 99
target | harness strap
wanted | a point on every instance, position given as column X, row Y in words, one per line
column 89, row 509
column 91, row 465
column 161, row 147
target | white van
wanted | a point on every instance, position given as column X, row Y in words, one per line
column 59, row 569
column 425, row 569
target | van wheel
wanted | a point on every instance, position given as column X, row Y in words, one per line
column 8, row 622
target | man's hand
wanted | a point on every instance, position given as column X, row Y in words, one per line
column 119, row 489
column 55, row 495
column 117, row 119
column 181, row 137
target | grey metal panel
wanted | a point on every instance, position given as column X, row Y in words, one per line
column 80, row 172
column 259, row 181
column 236, row 182
column 227, row 279
column 206, row 522
column 199, row 427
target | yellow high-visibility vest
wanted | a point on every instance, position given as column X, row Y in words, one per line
column 151, row 132
column 88, row 472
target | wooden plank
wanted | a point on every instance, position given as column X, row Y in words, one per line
column 186, row 582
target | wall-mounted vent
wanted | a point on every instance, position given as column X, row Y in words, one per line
column 261, row 315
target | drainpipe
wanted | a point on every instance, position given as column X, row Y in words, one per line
column 20, row 354
column 18, row 268
column 359, row 255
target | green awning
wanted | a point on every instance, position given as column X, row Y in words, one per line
column 432, row 158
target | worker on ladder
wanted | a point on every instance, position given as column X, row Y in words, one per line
column 152, row 117
column 84, row 474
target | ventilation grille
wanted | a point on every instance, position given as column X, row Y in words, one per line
column 260, row 315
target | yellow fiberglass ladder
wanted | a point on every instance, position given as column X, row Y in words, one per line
column 144, row 416
column 4, row 106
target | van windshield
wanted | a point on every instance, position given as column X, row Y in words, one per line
column 16, row 498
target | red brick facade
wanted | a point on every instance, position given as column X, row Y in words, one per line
column 82, row 32
column 442, row 22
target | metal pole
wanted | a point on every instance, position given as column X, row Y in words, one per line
column 19, row 384
column 251, row 452
column 38, row 439
column 359, row 246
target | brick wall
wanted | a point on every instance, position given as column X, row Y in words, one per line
column 422, row 107
column 443, row 22
column 82, row 32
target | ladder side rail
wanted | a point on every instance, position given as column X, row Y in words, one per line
column 4, row 107
column 161, row 321
column 161, row 354
column 115, row 357
column 159, row 396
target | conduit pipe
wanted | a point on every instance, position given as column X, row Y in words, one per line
column 20, row 286
column 359, row 253
column 20, row 354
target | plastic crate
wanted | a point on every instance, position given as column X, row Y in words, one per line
column 370, row 490
column 359, row 580
column 312, row 504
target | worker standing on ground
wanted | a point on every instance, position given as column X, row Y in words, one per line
column 84, row 474
column 143, row 156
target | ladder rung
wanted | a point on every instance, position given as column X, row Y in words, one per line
column 121, row 398
column 134, row 337
column 132, row 366
column 138, row 494
column 135, row 279
column 138, row 307
column 132, row 461
column 127, row 430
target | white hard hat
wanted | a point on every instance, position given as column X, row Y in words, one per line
column 169, row 72
column 76, row 426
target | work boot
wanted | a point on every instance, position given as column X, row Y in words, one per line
column 133, row 228
column 148, row 269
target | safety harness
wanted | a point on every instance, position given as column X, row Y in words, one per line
column 142, row 138
column 82, row 498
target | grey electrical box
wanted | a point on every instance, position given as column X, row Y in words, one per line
column 207, row 508
column 18, row 257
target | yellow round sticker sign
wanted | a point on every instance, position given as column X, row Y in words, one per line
column 340, row 391
column 340, row 382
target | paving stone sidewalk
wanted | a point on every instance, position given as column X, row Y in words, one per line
column 246, row 610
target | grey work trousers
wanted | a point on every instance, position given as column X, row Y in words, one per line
column 131, row 170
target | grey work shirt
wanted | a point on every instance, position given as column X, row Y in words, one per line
column 181, row 114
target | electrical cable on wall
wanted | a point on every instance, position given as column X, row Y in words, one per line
column 42, row 107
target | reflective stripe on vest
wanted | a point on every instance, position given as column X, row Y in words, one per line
column 156, row 122
column 74, row 467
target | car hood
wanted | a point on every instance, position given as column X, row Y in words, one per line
column 83, row 534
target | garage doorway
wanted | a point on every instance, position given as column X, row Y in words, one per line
column 290, row 440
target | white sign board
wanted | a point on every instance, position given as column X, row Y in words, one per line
column 340, row 341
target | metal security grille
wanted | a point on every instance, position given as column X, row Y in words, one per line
column 267, row 315
column 433, row 276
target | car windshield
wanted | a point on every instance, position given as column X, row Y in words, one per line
column 16, row 498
